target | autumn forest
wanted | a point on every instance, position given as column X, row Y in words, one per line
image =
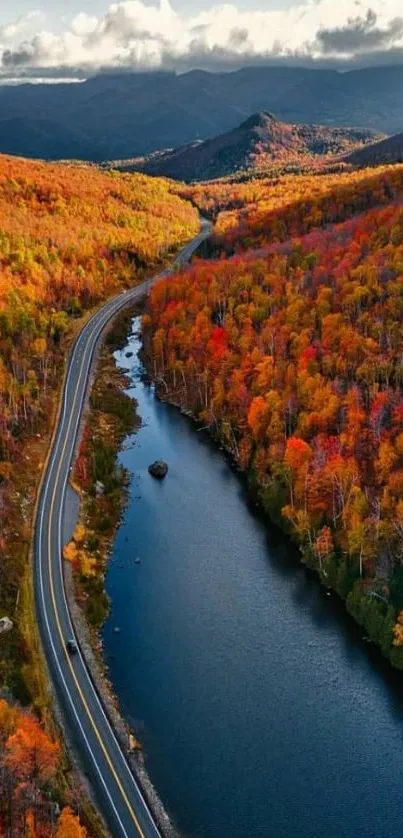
column 287, row 342
column 283, row 338
column 70, row 237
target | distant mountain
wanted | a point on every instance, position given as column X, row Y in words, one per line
column 260, row 142
column 126, row 115
column 389, row 150
column 371, row 97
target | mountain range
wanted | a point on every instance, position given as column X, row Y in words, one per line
column 126, row 115
column 261, row 142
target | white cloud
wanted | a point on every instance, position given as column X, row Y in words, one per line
column 138, row 36
column 84, row 24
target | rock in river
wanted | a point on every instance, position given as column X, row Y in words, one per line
column 5, row 625
column 159, row 469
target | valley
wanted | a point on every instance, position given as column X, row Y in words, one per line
column 200, row 266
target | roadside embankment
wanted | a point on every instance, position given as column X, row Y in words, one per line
column 93, row 511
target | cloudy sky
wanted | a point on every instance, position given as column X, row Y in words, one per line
column 73, row 38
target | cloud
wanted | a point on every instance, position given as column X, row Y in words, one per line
column 136, row 36
column 360, row 34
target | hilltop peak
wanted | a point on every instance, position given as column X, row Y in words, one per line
column 261, row 119
column 261, row 142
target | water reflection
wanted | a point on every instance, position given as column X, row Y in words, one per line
column 262, row 711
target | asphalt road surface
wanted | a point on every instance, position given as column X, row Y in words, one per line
column 116, row 790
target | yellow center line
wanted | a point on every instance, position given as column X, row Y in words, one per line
column 83, row 699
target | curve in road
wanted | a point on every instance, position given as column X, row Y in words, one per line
column 116, row 789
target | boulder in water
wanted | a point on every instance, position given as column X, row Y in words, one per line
column 159, row 469
column 5, row 625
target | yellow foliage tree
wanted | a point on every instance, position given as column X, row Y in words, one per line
column 398, row 630
column 70, row 552
column 69, row 825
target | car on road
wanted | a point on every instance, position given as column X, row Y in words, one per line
column 71, row 646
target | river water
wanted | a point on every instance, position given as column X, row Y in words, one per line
column 261, row 710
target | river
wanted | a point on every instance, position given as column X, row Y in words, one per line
column 261, row 710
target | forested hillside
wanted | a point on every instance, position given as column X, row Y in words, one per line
column 69, row 238
column 291, row 351
column 248, row 215
column 258, row 145
column 389, row 150
column 30, row 761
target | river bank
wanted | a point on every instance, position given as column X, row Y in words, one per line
column 246, row 681
column 113, row 395
column 368, row 598
column 134, row 648
column 91, row 520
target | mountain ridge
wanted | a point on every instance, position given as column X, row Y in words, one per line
column 116, row 116
column 388, row 150
column 259, row 142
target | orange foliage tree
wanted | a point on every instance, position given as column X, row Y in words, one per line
column 29, row 761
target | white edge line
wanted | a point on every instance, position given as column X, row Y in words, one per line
column 84, row 735
column 40, row 536
column 95, row 337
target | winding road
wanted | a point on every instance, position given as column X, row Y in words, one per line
column 116, row 790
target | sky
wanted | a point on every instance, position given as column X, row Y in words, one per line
column 57, row 9
column 76, row 38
